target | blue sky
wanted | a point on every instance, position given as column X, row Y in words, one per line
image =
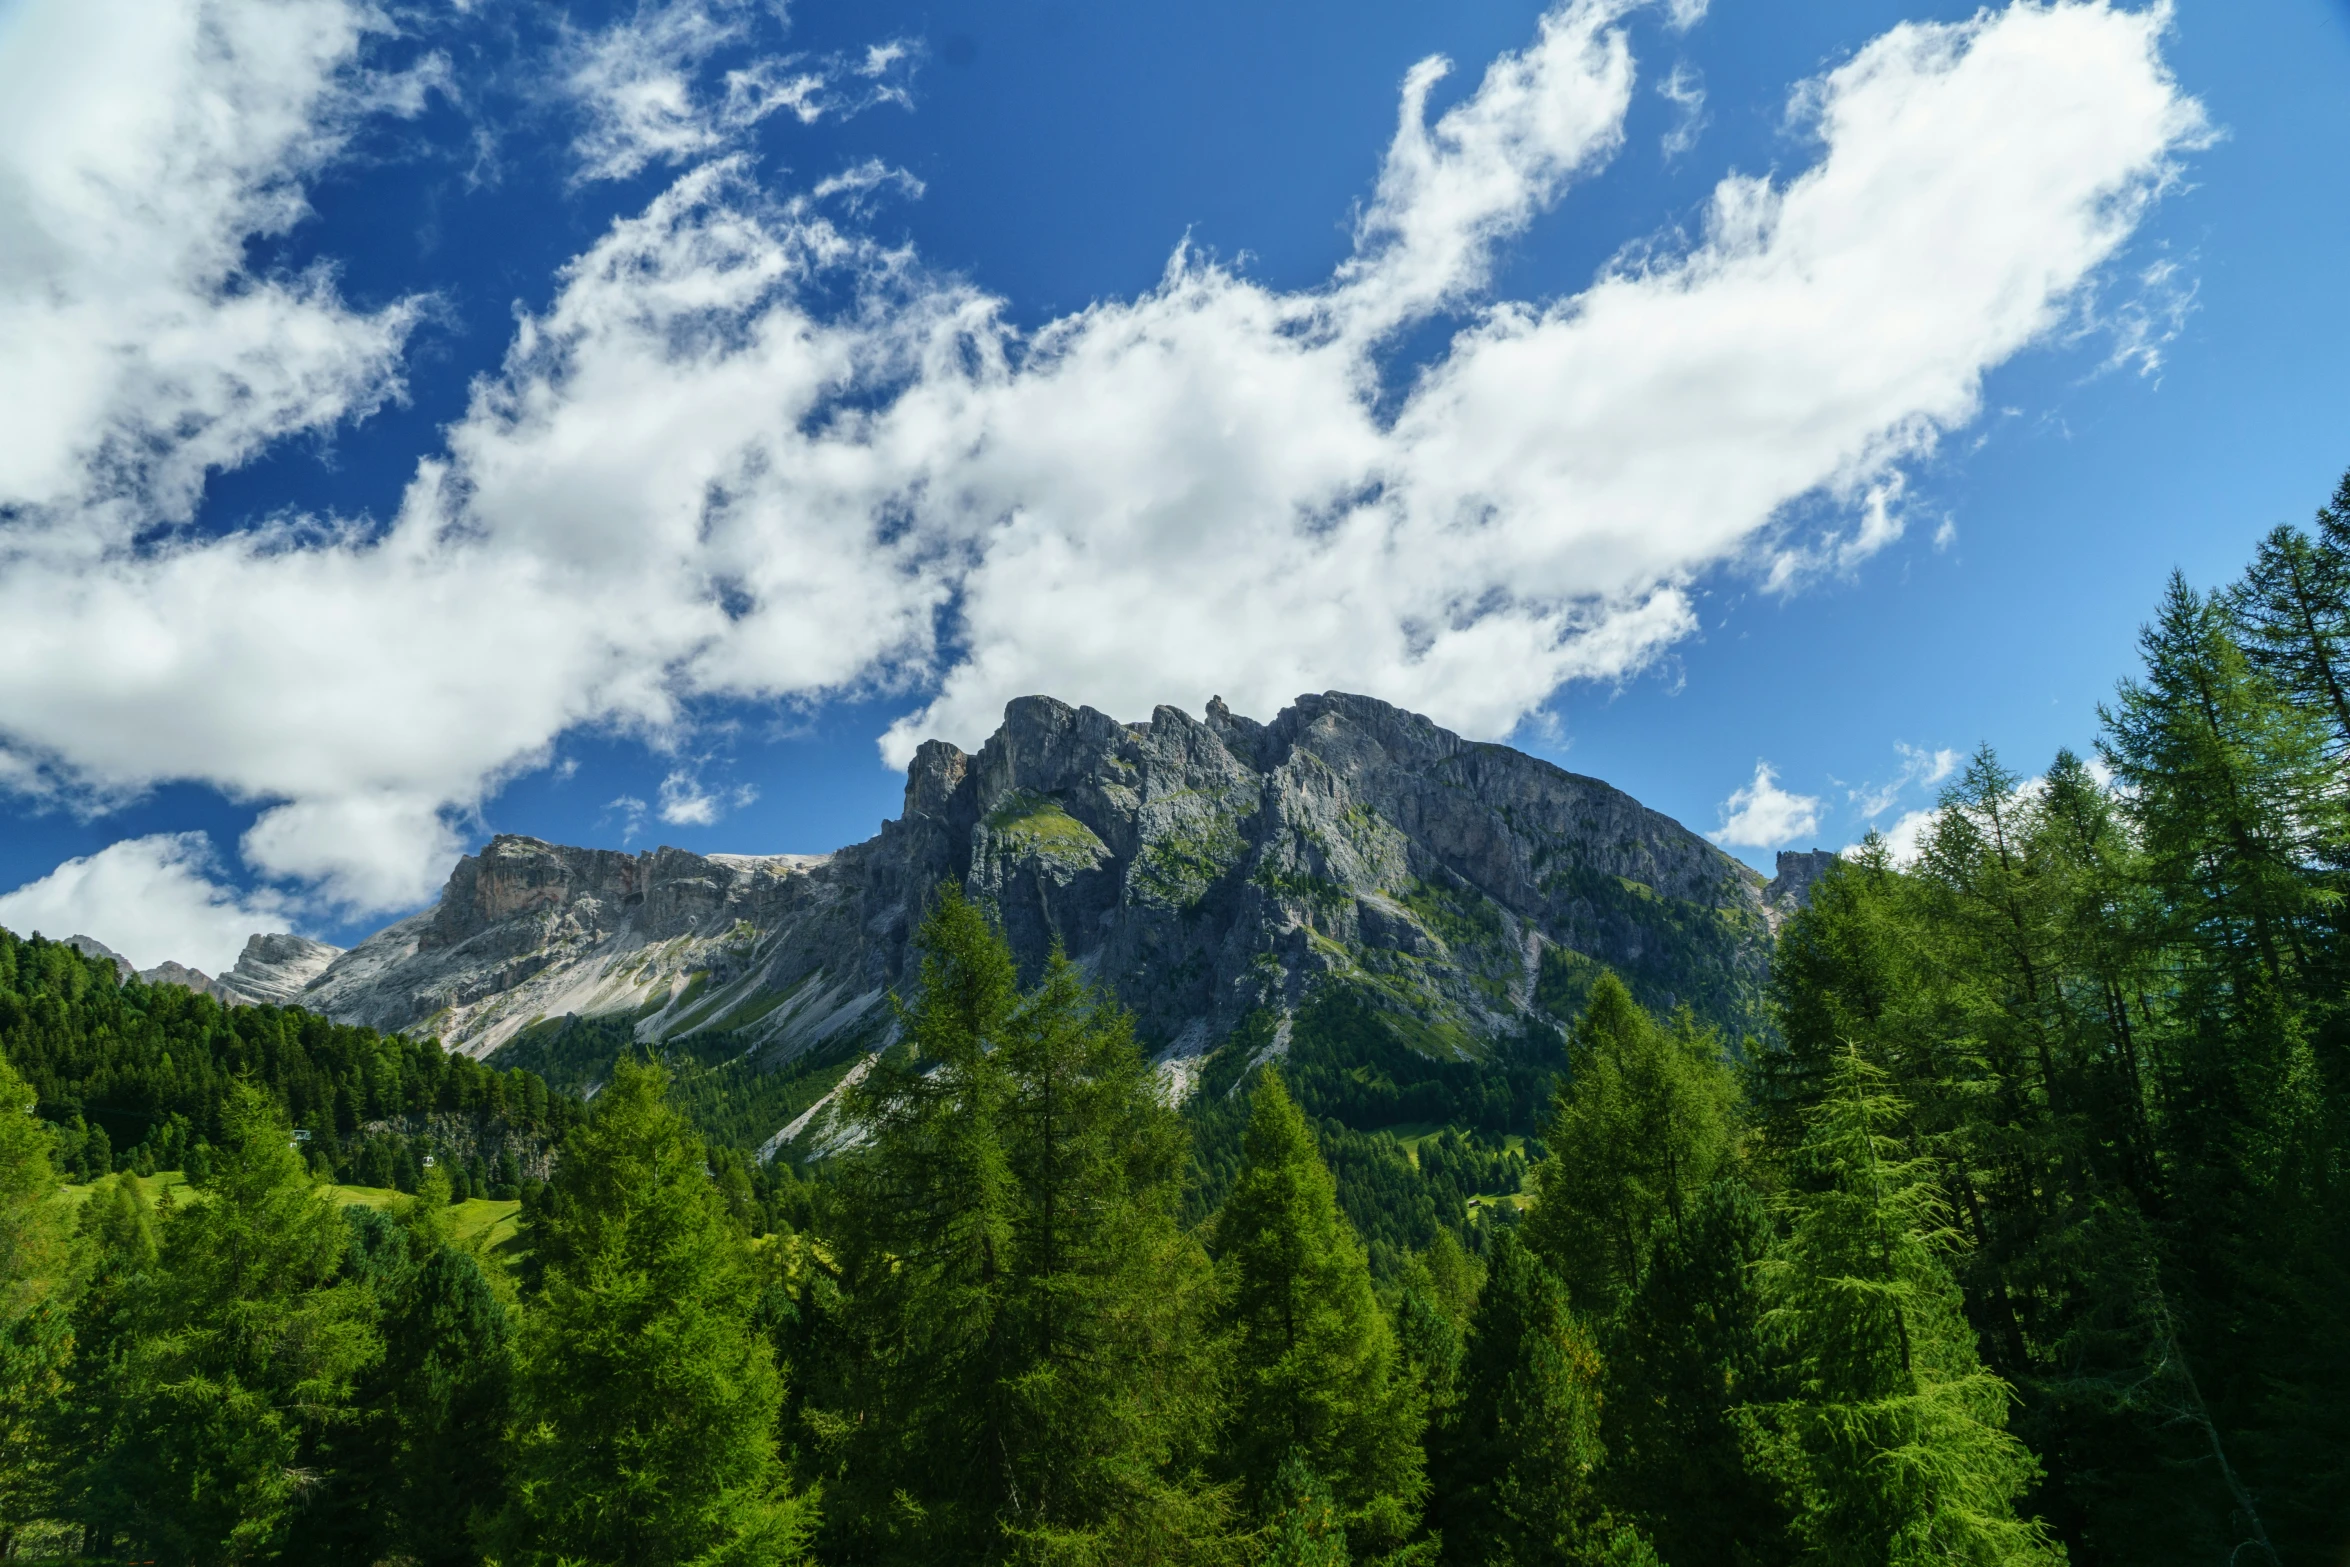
column 582, row 422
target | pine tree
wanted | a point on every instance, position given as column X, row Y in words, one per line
column 225, row 1367
column 1021, row 1365
column 442, row 1391
column 1315, row 1378
column 36, row 1284
column 2230, row 793
column 645, row 1401
column 1895, row 1443
column 1512, row 1470
column 2292, row 614
column 1305, row 1527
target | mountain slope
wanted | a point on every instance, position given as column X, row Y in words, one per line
column 1212, row 871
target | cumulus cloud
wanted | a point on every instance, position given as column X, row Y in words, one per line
column 640, row 86
column 1764, row 816
column 1906, row 838
column 749, row 452
column 151, row 899
column 142, row 147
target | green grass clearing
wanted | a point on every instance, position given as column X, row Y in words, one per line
column 477, row 1223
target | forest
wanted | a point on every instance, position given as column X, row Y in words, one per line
column 2019, row 1234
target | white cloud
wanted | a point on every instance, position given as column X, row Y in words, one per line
column 638, row 84
column 1685, row 90
column 696, row 477
column 1762, row 815
column 685, row 803
column 151, row 899
column 143, row 143
column 1906, row 838
column 1919, row 769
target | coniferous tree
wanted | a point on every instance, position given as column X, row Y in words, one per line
column 2292, row 613
column 227, row 1366
column 1022, row 1362
column 1895, row 1444
column 422, row 1471
column 1642, row 1211
column 645, row 1400
column 1644, row 1122
column 36, row 1281
column 1435, row 1297
column 442, row 1391
column 1315, row 1374
column 1305, row 1527
column 1512, row 1470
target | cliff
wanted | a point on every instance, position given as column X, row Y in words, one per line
column 1207, row 869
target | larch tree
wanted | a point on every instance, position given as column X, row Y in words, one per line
column 232, row 1365
column 36, row 1284
column 1021, row 1365
column 1315, row 1374
column 645, row 1398
column 1895, row 1440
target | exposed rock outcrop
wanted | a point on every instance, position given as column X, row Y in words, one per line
column 273, row 970
column 1203, row 867
column 1790, row 889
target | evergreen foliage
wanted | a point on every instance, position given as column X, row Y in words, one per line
column 35, row 1292
column 1315, row 1380
column 224, row 1369
column 1022, row 1367
column 1645, row 1120
column 139, row 1076
column 644, row 1398
column 1513, row 1465
column 1895, row 1442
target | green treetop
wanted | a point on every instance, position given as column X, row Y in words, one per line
column 1315, row 1375
column 1513, row 1468
column 1895, row 1444
column 645, row 1398
column 1022, row 1367
column 35, row 1284
column 1644, row 1122
column 231, row 1363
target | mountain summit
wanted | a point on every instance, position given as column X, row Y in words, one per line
column 1207, row 870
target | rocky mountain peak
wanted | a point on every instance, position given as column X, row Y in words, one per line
column 1209, row 869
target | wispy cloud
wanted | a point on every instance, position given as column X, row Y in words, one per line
column 1684, row 88
column 1919, row 769
column 647, row 91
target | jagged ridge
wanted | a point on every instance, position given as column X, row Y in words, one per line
column 1206, row 869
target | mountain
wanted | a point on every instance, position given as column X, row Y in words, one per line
column 1219, row 874
column 273, row 970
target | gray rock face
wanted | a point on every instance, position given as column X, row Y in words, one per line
column 273, row 970
column 1202, row 867
column 92, row 947
column 1790, row 889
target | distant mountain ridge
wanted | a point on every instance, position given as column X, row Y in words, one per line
column 1209, row 870
column 273, row 970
